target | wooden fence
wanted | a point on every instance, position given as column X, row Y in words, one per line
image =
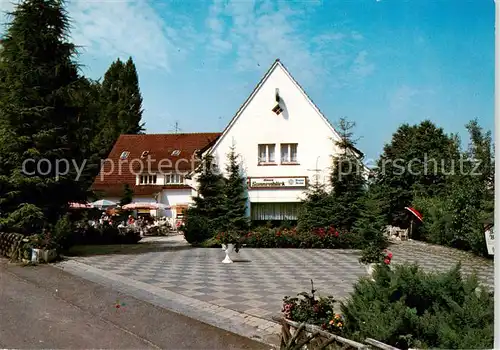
column 295, row 336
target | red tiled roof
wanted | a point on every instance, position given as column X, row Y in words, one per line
column 116, row 172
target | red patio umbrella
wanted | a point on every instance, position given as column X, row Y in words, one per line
column 415, row 213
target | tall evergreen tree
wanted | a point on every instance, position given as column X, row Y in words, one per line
column 38, row 112
column 207, row 215
column 88, row 97
column 130, row 118
column 121, row 104
column 347, row 178
column 128, row 195
column 315, row 210
column 415, row 162
column 210, row 200
column 235, row 193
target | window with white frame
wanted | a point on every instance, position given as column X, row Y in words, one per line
column 174, row 179
column 147, row 179
column 267, row 153
column 288, row 152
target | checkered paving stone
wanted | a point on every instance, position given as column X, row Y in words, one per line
column 259, row 279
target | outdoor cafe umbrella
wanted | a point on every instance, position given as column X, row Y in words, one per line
column 80, row 205
column 416, row 214
column 103, row 204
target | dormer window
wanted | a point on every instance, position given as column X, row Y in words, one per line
column 124, row 155
column 277, row 109
column 144, row 154
column 176, row 152
column 174, row 179
column 147, row 180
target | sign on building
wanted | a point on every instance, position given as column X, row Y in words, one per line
column 277, row 182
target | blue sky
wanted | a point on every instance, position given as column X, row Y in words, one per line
column 379, row 63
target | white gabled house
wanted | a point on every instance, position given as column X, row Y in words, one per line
column 284, row 141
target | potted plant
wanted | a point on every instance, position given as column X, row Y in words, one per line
column 44, row 248
column 230, row 241
column 372, row 256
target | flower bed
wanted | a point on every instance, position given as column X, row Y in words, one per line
column 319, row 311
column 327, row 237
column 312, row 323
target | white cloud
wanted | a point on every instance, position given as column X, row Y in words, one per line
column 405, row 97
column 361, row 67
column 124, row 28
column 257, row 33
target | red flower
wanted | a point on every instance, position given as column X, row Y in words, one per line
column 389, row 255
column 387, row 261
column 278, row 233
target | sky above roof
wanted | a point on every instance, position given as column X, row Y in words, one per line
column 379, row 63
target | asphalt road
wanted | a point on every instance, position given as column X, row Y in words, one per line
column 45, row 307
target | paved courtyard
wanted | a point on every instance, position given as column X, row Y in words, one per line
column 256, row 283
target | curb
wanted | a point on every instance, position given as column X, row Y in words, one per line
column 239, row 323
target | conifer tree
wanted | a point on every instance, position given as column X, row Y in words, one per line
column 210, row 200
column 121, row 104
column 370, row 224
column 315, row 210
column 38, row 112
column 235, row 193
column 128, row 195
column 347, row 179
column 206, row 217
column 130, row 118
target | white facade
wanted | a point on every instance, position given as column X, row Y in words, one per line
column 300, row 123
column 284, row 142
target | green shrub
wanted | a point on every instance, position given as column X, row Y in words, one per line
column 196, row 229
column 26, row 219
column 63, row 233
column 451, row 221
column 406, row 307
column 326, row 238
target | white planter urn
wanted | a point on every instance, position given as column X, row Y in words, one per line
column 228, row 249
column 35, row 255
column 370, row 269
column 48, row 255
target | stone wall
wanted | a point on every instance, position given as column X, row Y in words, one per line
column 9, row 242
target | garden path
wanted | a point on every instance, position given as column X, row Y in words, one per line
column 259, row 279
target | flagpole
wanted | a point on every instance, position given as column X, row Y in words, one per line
column 497, row 177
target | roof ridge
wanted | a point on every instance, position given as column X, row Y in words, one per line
column 179, row 133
